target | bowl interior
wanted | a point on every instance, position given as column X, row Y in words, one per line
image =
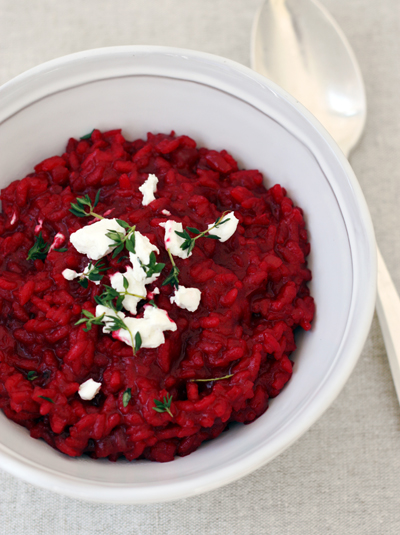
column 221, row 108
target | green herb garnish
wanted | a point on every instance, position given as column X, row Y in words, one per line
column 126, row 397
column 152, row 267
column 39, row 249
column 82, row 203
column 190, row 242
column 138, row 341
column 47, row 399
column 87, row 136
column 31, row 375
column 121, row 240
column 173, row 274
column 62, row 250
column 90, row 320
column 213, row 379
column 94, row 273
column 107, row 297
column 116, row 324
column 164, row 405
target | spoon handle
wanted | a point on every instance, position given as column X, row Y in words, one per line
column 388, row 309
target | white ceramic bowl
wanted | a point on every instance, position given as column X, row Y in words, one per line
column 222, row 105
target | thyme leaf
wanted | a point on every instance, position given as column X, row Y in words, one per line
column 39, row 249
column 138, row 341
column 47, row 399
column 116, row 324
column 109, row 294
column 126, row 397
column 190, row 242
column 87, row 136
column 153, row 266
column 31, row 375
column 90, row 320
column 164, row 405
column 121, row 240
column 79, row 209
column 107, row 298
column 93, row 273
column 172, row 277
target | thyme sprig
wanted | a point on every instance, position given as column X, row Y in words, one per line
column 39, row 249
column 90, row 320
column 190, row 242
column 212, row 379
column 121, row 240
column 94, row 273
column 164, row 405
column 172, row 277
column 153, row 266
column 117, row 324
column 109, row 294
column 82, row 203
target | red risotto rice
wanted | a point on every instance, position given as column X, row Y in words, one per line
column 224, row 360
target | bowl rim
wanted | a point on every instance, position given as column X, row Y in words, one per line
column 321, row 398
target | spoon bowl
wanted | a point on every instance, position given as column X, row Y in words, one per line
column 298, row 45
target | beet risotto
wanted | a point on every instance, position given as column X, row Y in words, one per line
column 149, row 293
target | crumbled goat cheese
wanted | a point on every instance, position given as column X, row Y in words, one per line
column 59, row 239
column 92, row 240
column 143, row 248
column 188, row 298
column 172, row 241
column 89, row 389
column 166, row 212
column 70, row 274
column 151, row 327
column 226, row 230
column 136, row 286
column 151, row 295
column 107, row 311
column 148, row 188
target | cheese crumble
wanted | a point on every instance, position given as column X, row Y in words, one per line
column 226, row 230
column 188, row 298
column 148, row 188
column 151, row 327
column 92, row 240
column 172, row 241
column 89, row 389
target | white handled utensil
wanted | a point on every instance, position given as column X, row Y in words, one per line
column 298, row 45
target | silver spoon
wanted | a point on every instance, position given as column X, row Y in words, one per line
column 299, row 46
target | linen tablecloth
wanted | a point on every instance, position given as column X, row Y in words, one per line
column 343, row 475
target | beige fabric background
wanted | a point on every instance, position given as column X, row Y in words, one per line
column 343, row 475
